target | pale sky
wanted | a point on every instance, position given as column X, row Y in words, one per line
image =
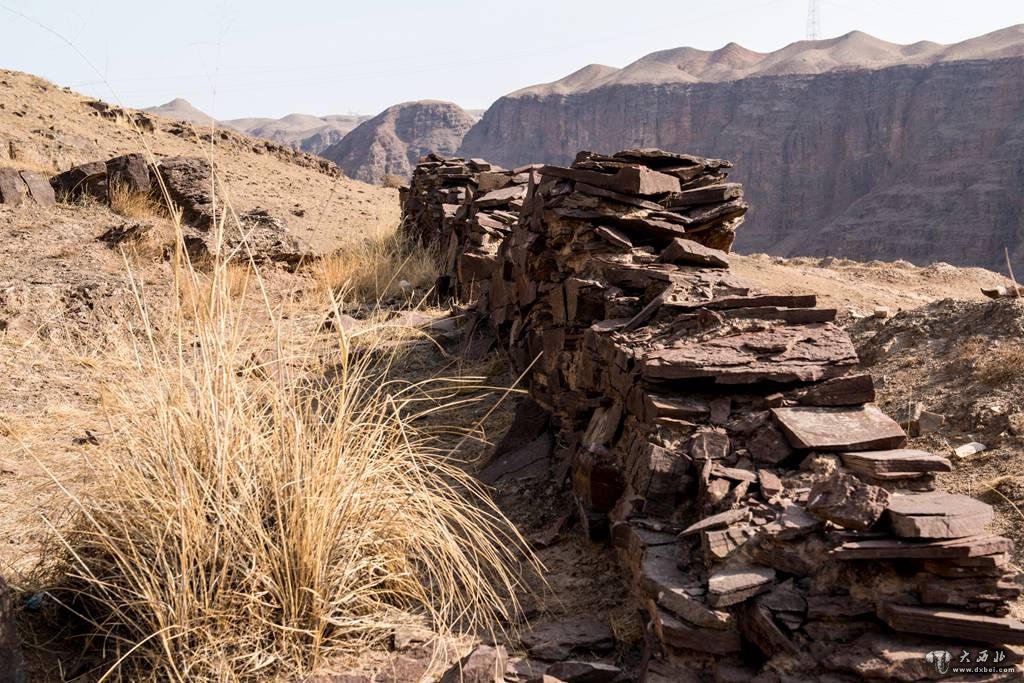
column 235, row 58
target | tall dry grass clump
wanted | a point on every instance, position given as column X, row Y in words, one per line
column 133, row 204
column 265, row 501
column 376, row 267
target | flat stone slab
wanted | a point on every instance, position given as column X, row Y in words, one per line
column 938, row 515
column 804, row 353
column 841, row 391
column 627, row 180
column 689, row 253
column 12, row 188
column 953, row 625
column 679, row 634
column 731, row 586
column 900, row 460
column 718, row 521
column 39, row 188
column 501, row 197
column 898, row 549
column 860, row 428
column 557, row 640
column 581, row 672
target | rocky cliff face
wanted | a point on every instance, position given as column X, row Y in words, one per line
column 923, row 162
column 393, row 141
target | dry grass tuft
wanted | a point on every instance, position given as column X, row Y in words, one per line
column 137, row 205
column 377, row 267
column 265, row 501
column 1001, row 364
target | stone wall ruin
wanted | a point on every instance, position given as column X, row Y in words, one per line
column 769, row 518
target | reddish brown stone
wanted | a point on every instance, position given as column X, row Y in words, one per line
column 937, row 515
column 896, row 549
column 689, row 253
column 902, row 461
column 805, row 353
column 840, row 429
column 719, row 521
column 734, row 585
column 484, row 664
column 845, row 500
column 679, row 634
column 953, row 624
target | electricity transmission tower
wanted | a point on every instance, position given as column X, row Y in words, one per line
column 812, row 20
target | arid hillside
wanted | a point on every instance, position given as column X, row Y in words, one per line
column 850, row 147
column 48, row 128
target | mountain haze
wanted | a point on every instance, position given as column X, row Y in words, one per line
column 304, row 132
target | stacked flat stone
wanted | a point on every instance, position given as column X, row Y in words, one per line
column 483, row 221
column 438, row 187
column 464, row 210
column 770, row 519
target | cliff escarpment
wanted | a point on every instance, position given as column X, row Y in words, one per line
column 922, row 162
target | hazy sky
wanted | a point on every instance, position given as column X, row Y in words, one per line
column 236, row 58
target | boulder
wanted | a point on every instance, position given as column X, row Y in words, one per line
column 39, row 188
column 584, row 672
column 266, row 239
column 130, row 172
column 559, row 640
column 12, row 188
column 189, row 182
column 85, row 179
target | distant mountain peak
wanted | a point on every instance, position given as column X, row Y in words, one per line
column 852, row 50
column 181, row 109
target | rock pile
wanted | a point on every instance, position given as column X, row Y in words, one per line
column 438, row 187
column 466, row 210
column 769, row 517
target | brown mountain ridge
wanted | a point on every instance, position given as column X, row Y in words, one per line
column 849, row 147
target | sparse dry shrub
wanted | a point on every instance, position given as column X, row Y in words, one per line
column 394, row 180
column 1001, row 364
column 132, row 204
column 377, row 267
column 265, row 500
column 967, row 354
